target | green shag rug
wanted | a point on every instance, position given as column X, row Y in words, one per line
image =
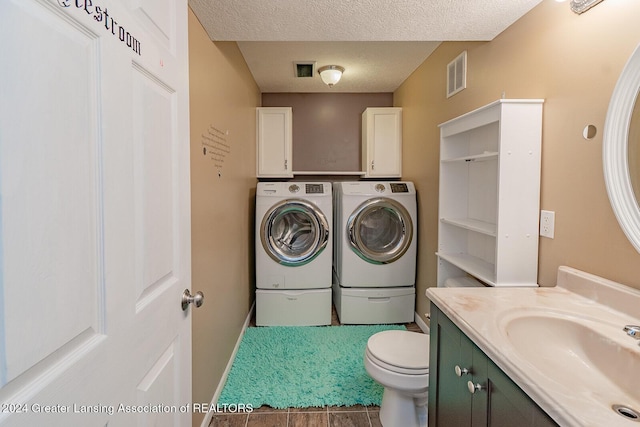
column 303, row 366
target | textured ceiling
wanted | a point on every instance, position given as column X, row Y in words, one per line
column 379, row 42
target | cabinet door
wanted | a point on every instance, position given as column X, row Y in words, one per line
column 274, row 139
column 382, row 142
column 480, row 384
column 509, row 406
column 449, row 398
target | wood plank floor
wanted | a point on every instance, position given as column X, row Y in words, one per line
column 330, row 416
column 352, row 416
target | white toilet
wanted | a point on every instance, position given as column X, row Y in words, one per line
column 399, row 361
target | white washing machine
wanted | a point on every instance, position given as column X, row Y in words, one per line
column 293, row 253
column 375, row 225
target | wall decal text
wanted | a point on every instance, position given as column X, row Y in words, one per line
column 215, row 146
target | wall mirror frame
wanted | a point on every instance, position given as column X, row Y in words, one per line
column 615, row 146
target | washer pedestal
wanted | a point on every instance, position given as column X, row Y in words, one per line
column 309, row 307
column 373, row 306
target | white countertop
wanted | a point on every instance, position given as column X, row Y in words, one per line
column 605, row 306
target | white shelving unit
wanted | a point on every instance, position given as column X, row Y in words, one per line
column 490, row 194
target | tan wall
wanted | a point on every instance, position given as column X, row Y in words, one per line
column 223, row 98
column 573, row 62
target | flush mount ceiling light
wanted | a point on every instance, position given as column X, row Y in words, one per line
column 330, row 74
column 580, row 6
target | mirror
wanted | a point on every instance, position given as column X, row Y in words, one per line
column 634, row 150
column 621, row 150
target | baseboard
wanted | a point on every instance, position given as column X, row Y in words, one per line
column 225, row 374
column 421, row 323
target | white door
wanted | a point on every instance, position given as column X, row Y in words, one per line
column 94, row 213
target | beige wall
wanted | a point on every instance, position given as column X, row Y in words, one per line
column 573, row 62
column 223, row 98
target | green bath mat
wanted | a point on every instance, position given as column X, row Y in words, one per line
column 303, row 366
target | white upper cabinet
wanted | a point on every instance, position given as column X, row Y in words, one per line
column 274, row 139
column 490, row 194
column 382, row 142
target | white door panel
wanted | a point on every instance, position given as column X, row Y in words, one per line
column 45, row 266
column 94, row 212
column 158, row 17
column 156, row 146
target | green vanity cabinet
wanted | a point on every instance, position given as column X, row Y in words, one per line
column 456, row 368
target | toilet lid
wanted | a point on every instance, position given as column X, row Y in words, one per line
column 402, row 349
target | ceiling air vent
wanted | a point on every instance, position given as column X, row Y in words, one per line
column 457, row 74
column 304, row 68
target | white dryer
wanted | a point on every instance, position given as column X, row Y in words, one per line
column 294, row 250
column 375, row 225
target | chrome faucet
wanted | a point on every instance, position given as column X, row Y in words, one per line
column 632, row 331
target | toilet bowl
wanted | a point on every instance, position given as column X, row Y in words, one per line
column 399, row 361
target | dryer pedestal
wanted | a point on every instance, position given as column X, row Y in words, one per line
column 371, row 306
column 305, row 307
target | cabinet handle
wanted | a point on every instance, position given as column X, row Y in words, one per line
column 373, row 165
column 474, row 387
column 285, row 164
column 461, row 371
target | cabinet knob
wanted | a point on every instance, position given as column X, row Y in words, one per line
column 474, row 387
column 461, row 371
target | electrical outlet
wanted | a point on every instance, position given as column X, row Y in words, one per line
column 547, row 223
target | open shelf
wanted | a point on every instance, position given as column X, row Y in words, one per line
column 336, row 173
column 475, row 266
column 472, row 224
column 488, row 155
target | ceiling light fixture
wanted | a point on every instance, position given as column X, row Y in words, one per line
column 581, row 6
column 331, row 74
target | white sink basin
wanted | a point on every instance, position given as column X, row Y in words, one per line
column 588, row 353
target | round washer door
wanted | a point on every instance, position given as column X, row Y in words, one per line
column 294, row 232
column 380, row 230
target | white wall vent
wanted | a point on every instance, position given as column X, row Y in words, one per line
column 457, row 74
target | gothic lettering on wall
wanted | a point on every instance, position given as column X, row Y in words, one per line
column 101, row 15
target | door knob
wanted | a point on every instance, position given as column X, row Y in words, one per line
column 187, row 298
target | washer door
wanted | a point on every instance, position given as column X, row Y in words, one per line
column 380, row 230
column 294, row 232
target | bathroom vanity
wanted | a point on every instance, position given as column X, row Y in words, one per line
column 535, row 356
column 462, row 375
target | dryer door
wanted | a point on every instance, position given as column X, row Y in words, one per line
column 294, row 232
column 380, row 230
